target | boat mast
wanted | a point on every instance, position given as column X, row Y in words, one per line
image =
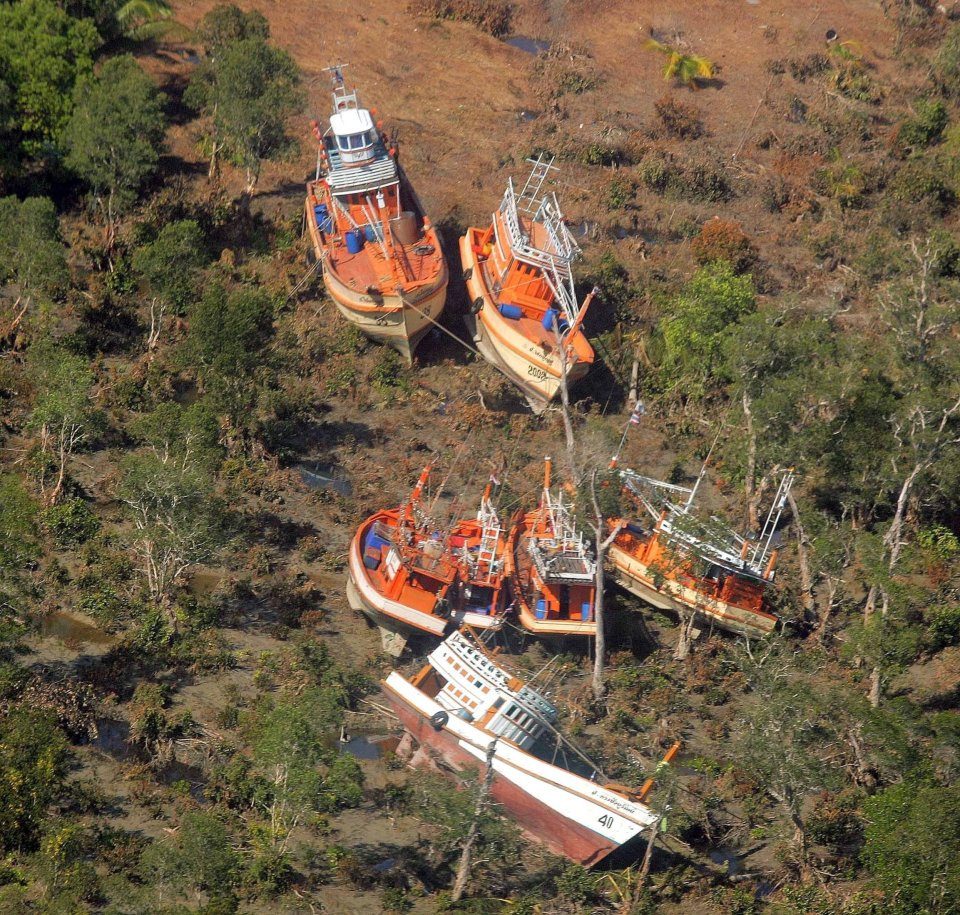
column 703, row 471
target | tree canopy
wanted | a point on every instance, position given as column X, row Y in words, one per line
column 247, row 89
column 116, row 133
column 44, row 51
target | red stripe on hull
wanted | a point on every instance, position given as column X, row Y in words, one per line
column 539, row 821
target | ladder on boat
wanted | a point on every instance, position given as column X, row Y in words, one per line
column 529, row 199
column 489, row 538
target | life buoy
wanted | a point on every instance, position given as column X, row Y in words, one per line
column 438, row 720
column 476, row 305
column 467, row 274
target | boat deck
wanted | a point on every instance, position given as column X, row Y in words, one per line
column 368, row 271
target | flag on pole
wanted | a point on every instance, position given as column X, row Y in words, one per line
column 638, row 411
column 494, row 480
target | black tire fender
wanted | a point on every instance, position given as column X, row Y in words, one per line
column 476, row 305
column 438, row 720
column 467, row 274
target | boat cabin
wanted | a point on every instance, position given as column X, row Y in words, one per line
column 415, row 575
column 464, row 681
column 355, row 135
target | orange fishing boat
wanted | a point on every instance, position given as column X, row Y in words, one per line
column 525, row 318
column 551, row 572
column 693, row 567
column 410, row 575
column 381, row 258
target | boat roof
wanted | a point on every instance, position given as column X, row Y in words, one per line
column 480, row 665
column 350, row 121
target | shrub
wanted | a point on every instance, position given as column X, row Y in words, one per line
column 945, row 71
column 943, row 628
column 721, row 239
column 71, row 522
column 598, row 154
column 921, row 183
column 678, row 119
column 926, row 127
column 620, row 193
column 491, row 16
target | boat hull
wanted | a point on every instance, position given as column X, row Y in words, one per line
column 534, row 371
column 386, row 319
column 636, row 577
column 551, row 805
column 395, row 616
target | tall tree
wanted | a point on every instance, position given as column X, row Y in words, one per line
column 43, row 52
column 247, row 89
column 114, row 136
column 32, row 256
column 170, row 500
column 62, row 414
column 782, row 733
column 226, row 347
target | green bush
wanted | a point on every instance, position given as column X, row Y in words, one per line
column 922, row 183
column 945, row 70
column 71, row 523
column 926, row 127
column 912, row 847
column 598, row 154
column 943, row 627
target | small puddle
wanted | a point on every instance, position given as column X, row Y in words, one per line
column 112, row 737
column 529, row 45
column 728, row 858
column 319, row 476
column 586, row 228
column 527, row 116
column 73, row 631
column 370, row 746
column 190, row 56
column 185, row 393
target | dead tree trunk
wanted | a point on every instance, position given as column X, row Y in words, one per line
column 803, row 557
column 466, row 856
column 750, row 483
column 565, row 400
column 687, row 621
column 603, row 544
column 648, row 854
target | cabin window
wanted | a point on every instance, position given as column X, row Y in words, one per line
column 354, row 140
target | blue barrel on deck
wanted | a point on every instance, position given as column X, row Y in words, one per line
column 354, row 241
column 585, row 610
column 512, row 312
column 372, row 545
column 370, row 232
column 322, row 216
column 541, row 611
column 552, row 314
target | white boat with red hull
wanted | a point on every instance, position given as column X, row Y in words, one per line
column 462, row 702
